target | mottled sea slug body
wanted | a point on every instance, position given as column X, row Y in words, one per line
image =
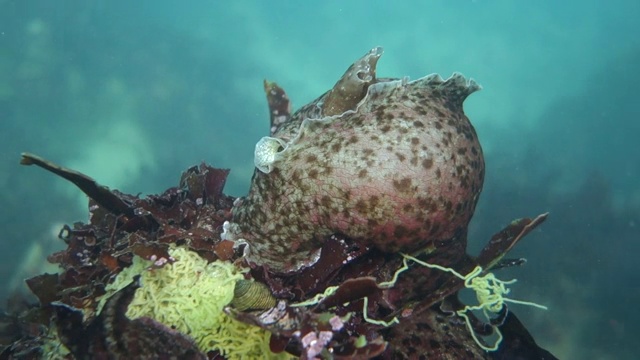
column 393, row 163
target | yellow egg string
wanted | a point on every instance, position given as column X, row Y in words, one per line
column 489, row 291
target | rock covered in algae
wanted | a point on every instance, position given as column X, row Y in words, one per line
column 393, row 163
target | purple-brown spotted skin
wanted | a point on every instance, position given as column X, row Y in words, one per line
column 392, row 163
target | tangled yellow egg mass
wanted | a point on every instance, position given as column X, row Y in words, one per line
column 189, row 295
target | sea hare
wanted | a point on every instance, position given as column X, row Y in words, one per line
column 391, row 163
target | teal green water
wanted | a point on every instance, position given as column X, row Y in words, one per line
column 132, row 94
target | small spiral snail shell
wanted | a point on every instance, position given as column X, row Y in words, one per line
column 252, row 295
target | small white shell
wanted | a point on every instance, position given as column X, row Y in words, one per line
column 266, row 153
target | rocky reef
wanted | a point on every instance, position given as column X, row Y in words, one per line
column 351, row 244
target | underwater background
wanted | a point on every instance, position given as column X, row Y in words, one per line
column 133, row 93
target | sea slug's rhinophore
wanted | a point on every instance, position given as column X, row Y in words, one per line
column 392, row 163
